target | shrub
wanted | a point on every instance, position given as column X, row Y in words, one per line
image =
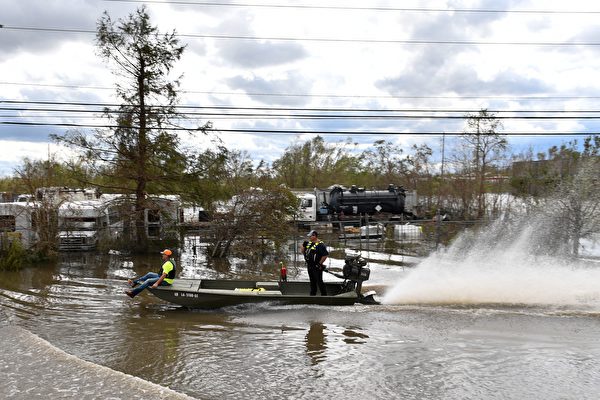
column 13, row 254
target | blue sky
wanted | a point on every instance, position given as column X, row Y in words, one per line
column 511, row 56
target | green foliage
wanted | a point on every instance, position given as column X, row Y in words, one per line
column 12, row 254
column 591, row 146
column 33, row 174
column 386, row 163
column 316, row 163
column 561, row 163
column 255, row 222
column 217, row 175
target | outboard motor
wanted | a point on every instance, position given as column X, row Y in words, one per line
column 355, row 270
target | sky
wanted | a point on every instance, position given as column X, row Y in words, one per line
column 416, row 62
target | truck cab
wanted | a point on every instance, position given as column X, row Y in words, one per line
column 307, row 208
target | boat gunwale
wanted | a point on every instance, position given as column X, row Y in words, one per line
column 189, row 293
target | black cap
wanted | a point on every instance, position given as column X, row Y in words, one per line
column 312, row 233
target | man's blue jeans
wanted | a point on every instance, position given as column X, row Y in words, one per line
column 147, row 280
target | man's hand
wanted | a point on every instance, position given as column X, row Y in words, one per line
column 154, row 286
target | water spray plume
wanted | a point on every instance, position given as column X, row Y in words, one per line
column 507, row 263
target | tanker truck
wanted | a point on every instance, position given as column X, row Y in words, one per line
column 338, row 202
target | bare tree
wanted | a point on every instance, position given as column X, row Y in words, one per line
column 486, row 147
column 576, row 203
column 386, row 162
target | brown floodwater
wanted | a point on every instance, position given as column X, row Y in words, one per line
column 405, row 350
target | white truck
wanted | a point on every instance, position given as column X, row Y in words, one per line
column 338, row 202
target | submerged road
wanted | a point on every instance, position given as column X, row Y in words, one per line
column 59, row 375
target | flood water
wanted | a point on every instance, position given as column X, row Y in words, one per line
column 438, row 336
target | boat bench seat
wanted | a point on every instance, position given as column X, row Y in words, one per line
column 188, row 284
column 268, row 285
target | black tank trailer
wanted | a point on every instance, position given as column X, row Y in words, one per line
column 356, row 201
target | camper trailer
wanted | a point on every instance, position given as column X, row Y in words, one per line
column 17, row 221
column 80, row 222
column 162, row 214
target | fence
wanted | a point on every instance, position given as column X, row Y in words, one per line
column 419, row 237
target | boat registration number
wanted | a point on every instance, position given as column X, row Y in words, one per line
column 185, row 294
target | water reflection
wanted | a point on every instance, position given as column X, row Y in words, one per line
column 316, row 343
column 354, row 337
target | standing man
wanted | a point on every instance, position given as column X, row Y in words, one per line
column 315, row 253
column 165, row 276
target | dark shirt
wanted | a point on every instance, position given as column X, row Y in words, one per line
column 313, row 253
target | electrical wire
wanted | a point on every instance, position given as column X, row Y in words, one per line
column 295, row 131
column 331, row 40
column 355, row 8
column 270, row 108
column 323, row 95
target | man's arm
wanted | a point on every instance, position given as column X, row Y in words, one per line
column 324, row 254
column 159, row 281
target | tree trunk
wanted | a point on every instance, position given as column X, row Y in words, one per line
column 140, row 192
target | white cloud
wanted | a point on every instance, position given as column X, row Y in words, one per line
column 14, row 152
column 352, row 71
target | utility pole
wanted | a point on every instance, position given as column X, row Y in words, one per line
column 438, row 216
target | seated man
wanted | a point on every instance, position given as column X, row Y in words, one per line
column 165, row 276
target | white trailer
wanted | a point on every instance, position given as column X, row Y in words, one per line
column 162, row 214
column 79, row 224
column 17, row 222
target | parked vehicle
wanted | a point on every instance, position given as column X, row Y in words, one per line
column 17, row 221
column 162, row 214
column 79, row 224
column 338, row 203
column 79, row 218
column 307, row 209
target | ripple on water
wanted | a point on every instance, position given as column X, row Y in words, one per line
column 70, row 376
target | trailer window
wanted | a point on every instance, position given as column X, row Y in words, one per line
column 80, row 219
column 7, row 223
column 113, row 215
column 154, row 231
column 153, row 216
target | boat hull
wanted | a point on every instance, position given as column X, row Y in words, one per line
column 214, row 293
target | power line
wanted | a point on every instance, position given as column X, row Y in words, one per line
column 56, row 85
column 37, row 29
column 336, row 40
column 270, row 108
column 354, row 8
column 400, row 116
column 294, row 131
column 324, row 95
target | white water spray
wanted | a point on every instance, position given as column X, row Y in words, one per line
column 501, row 265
